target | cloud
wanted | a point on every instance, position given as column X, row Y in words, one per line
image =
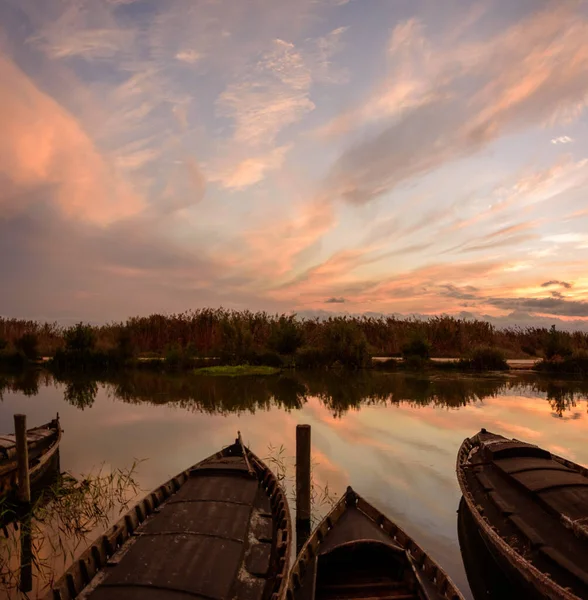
column 189, row 56
column 46, row 156
column 562, row 139
column 335, row 301
column 464, row 98
column 553, row 306
column 271, row 96
column 563, row 284
column 249, row 171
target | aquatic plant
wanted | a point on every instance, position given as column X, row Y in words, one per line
column 59, row 521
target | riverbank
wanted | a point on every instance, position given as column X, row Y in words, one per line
column 228, row 338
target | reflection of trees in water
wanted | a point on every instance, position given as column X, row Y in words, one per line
column 217, row 395
column 80, row 393
column 25, row 382
column 339, row 391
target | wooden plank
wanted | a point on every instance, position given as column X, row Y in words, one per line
column 518, row 464
column 536, row 481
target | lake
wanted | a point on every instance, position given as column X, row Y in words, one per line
column 394, row 437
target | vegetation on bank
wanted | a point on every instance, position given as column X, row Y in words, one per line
column 207, row 337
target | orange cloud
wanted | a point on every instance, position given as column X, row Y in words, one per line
column 45, row 153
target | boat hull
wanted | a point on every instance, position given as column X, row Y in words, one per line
column 502, row 481
column 43, row 446
column 220, row 529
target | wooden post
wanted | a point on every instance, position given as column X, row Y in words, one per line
column 22, row 455
column 302, row 484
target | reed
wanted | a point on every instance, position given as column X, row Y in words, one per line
column 236, row 335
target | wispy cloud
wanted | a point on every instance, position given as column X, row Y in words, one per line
column 562, row 139
column 554, row 282
column 335, row 300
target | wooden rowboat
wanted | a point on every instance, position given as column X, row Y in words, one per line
column 356, row 552
column 43, row 446
column 531, row 510
column 219, row 530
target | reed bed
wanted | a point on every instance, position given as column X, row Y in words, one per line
column 225, row 333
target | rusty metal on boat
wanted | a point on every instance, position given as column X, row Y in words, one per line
column 357, row 552
column 531, row 510
column 219, row 530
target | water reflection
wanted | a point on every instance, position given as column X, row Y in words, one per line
column 339, row 392
column 394, row 437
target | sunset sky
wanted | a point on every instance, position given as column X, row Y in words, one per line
column 387, row 156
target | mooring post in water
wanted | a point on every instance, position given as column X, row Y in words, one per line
column 302, row 484
column 22, row 455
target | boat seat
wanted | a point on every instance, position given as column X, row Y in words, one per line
column 571, row 502
column 507, row 449
column 544, row 479
column 517, row 464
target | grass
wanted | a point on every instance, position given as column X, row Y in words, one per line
column 237, row 370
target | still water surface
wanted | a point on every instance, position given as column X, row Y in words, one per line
column 394, row 437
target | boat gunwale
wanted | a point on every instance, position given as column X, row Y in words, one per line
column 79, row 575
column 8, row 473
column 418, row 558
column 530, row 572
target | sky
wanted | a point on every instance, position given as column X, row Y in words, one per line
column 355, row 156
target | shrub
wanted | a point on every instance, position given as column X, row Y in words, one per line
column 268, row 359
column 311, row 358
column 485, row 358
column 345, row 342
column 575, row 364
column 3, row 344
column 79, row 338
column 27, row 344
column 286, row 336
column 418, row 347
column 558, row 344
column 125, row 347
column 237, row 340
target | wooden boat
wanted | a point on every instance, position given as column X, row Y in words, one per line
column 356, row 552
column 531, row 509
column 219, row 530
column 486, row 579
column 43, row 445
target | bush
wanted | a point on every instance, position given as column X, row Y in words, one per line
column 237, row 341
column 418, row 347
column 576, row 364
column 286, row 336
column 267, row 359
column 311, row 358
column 3, row 344
column 558, row 344
column 125, row 348
column 27, row 345
column 345, row 342
column 485, row 359
column 80, row 338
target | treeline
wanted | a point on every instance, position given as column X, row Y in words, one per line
column 262, row 338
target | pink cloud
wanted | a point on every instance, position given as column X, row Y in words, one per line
column 44, row 150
